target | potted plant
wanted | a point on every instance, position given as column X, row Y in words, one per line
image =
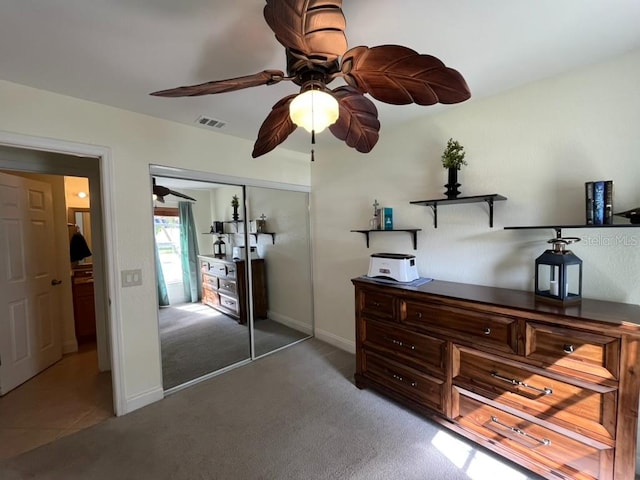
column 453, row 160
column 235, row 204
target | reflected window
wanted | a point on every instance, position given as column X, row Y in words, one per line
column 167, row 234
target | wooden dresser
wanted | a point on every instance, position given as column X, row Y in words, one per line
column 555, row 389
column 224, row 286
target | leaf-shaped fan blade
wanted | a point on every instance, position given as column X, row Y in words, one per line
column 358, row 123
column 398, row 75
column 312, row 27
column 276, row 127
column 266, row 77
column 181, row 195
column 160, row 191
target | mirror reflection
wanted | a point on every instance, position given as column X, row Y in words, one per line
column 79, row 221
column 284, row 247
column 222, row 276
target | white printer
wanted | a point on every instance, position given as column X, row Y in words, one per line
column 400, row 267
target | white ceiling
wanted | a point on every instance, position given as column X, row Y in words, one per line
column 116, row 52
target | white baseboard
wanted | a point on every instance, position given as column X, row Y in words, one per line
column 290, row 322
column 143, row 399
column 336, row 341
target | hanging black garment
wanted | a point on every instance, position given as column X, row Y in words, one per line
column 78, row 247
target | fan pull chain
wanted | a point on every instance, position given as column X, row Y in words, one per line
column 313, row 118
column 313, row 159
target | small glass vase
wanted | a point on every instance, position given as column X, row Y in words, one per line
column 452, row 185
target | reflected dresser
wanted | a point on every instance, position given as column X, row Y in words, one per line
column 224, row 286
column 553, row 388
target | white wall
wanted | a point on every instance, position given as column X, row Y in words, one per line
column 536, row 145
column 135, row 142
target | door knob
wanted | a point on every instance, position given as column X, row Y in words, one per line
column 55, row 282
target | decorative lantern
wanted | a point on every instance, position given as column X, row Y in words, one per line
column 559, row 273
column 219, row 248
column 261, row 224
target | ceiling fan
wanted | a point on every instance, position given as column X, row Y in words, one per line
column 160, row 192
column 313, row 34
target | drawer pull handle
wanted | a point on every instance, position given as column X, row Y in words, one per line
column 419, row 315
column 376, row 304
column 566, row 348
column 413, row 383
column 487, row 331
column 400, row 343
column 542, row 441
column 520, row 383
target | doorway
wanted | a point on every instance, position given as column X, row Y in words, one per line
column 18, row 157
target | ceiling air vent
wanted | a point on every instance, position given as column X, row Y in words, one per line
column 210, row 122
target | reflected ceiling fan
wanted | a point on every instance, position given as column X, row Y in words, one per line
column 313, row 34
column 160, row 192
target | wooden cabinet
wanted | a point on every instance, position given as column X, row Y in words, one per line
column 224, row 287
column 552, row 388
column 84, row 316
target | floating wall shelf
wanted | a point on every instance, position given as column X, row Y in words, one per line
column 412, row 231
column 558, row 228
column 253, row 234
column 494, row 197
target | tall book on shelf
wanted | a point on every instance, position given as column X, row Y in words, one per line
column 387, row 218
column 598, row 196
column 598, row 202
column 588, row 196
column 608, row 202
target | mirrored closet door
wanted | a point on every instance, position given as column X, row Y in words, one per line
column 233, row 272
column 280, row 219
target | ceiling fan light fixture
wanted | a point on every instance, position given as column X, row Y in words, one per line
column 314, row 110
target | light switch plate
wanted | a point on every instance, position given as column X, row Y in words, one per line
column 131, row 278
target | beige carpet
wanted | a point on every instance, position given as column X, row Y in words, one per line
column 289, row 416
column 196, row 340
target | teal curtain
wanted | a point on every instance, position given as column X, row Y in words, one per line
column 189, row 252
column 163, row 296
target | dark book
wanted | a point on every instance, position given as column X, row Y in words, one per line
column 598, row 202
column 608, row 202
column 588, row 197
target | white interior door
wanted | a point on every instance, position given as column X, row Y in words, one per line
column 29, row 310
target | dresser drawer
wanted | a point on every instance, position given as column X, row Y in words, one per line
column 561, row 348
column 587, row 409
column 417, row 386
column 228, row 286
column 495, row 331
column 218, row 269
column 229, row 303
column 423, row 352
column 377, row 305
column 567, row 457
column 209, row 281
column 210, row 297
column 231, row 271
